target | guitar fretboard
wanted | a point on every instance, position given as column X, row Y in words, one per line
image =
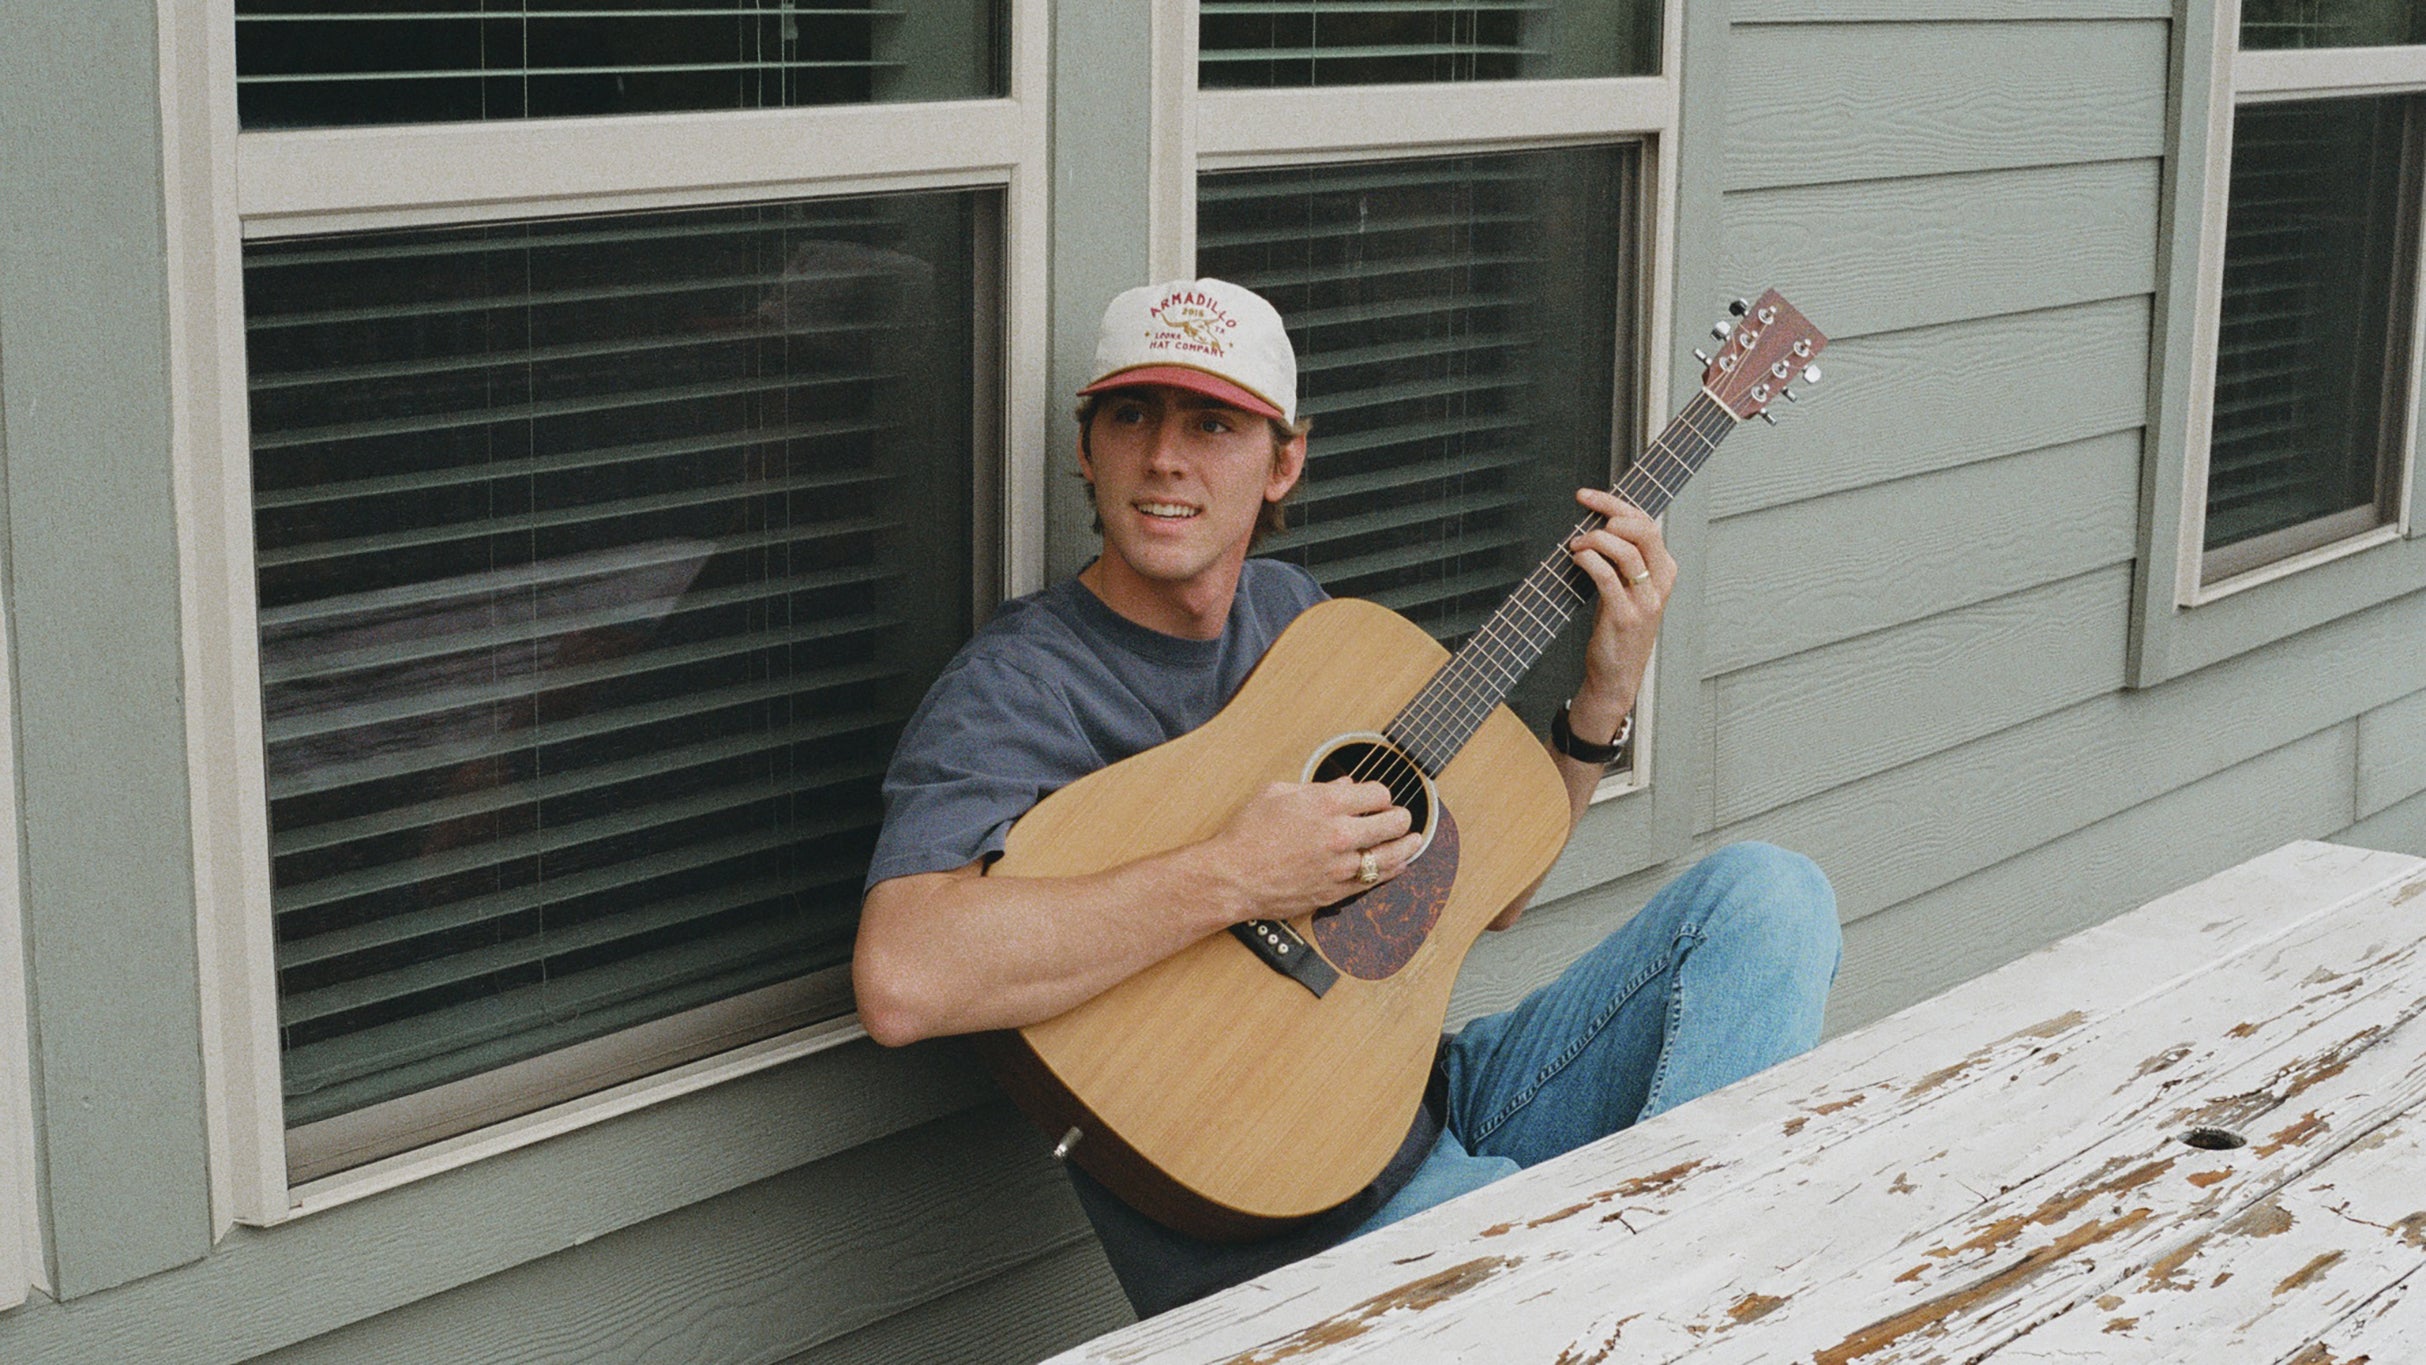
column 1445, row 714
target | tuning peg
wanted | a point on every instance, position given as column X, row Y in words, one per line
column 1769, row 417
column 1789, row 395
column 1811, row 374
column 1701, row 355
column 1740, row 307
column 1722, row 329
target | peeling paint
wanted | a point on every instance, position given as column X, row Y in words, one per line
column 2411, row 1230
column 2241, row 1030
column 1754, row 1307
column 2056, row 1208
column 2163, row 1061
column 2109, row 1302
column 2203, row 1179
column 1927, row 1317
column 2409, row 892
column 1600, row 1353
column 1795, row 1125
column 1902, row 1185
column 1414, row 1297
column 2308, row 1126
column 2307, row 1273
column 2122, row 1324
column 2265, row 1219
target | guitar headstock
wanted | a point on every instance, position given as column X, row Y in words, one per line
column 1767, row 345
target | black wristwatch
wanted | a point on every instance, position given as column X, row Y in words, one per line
column 1563, row 739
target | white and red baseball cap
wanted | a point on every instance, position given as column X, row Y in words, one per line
column 1206, row 336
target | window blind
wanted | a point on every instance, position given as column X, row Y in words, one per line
column 2331, row 23
column 304, row 63
column 599, row 562
column 1460, row 324
column 1245, row 43
column 2312, row 345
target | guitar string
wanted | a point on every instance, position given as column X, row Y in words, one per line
column 1709, row 427
column 1448, row 696
column 1404, row 784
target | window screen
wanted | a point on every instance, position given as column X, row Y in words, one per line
column 599, row 562
column 1461, row 326
column 2332, row 23
column 308, row 63
column 1245, row 43
column 2312, row 358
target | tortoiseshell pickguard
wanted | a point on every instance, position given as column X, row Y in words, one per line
column 1374, row 933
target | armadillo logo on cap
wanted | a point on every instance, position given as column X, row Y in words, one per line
column 1189, row 321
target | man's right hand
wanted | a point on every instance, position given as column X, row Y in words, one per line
column 1296, row 847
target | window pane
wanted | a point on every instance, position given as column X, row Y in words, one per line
column 2332, row 23
column 314, row 63
column 2312, row 359
column 1460, row 325
column 1253, row 43
column 599, row 561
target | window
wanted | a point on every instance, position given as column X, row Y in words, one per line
column 1457, row 322
column 1250, row 43
column 597, row 562
column 602, row 493
column 1470, row 311
column 2313, row 359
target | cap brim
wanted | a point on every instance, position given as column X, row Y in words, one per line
column 1194, row 381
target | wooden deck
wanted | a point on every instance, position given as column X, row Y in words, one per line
column 1999, row 1174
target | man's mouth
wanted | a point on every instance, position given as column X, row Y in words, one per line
column 1166, row 511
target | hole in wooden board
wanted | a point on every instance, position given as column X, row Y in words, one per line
column 2214, row 1139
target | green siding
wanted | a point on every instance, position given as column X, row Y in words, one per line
column 1903, row 403
column 1821, row 102
column 1794, row 578
column 786, row 1266
column 109, row 900
column 2392, row 754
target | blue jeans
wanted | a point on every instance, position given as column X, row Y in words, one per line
column 1723, row 974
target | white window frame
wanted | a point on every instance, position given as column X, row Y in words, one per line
column 1227, row 130
column 2258, row 77
column 225, row 187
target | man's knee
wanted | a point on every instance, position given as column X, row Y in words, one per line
column 1780, row 898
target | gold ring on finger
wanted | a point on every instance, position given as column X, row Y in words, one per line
column 1637, row 579
column 1368, row 868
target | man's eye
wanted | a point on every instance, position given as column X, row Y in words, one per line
column 1211, row 423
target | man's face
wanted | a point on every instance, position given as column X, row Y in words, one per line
column 1180, row 479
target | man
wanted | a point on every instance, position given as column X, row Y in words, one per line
column 1190, row 441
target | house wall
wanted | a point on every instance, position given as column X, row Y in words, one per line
column 1910, row 650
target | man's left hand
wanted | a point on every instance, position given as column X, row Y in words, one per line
column 1628, row 560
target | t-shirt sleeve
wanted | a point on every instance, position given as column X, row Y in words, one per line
column 988, row 742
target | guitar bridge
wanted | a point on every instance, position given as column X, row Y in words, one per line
column 1285, row 952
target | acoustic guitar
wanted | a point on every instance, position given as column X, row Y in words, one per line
column 1257, row 1078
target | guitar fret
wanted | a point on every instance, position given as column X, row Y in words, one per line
column 1435, row 725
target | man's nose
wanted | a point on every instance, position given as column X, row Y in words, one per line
column 1168, row 449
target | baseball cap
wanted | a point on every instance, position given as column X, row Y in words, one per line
column 1207, row 336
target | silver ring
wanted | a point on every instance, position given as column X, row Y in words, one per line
column 1368, row 868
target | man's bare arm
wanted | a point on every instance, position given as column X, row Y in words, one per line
column 958, row 952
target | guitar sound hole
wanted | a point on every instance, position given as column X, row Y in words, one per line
column 1374, row 760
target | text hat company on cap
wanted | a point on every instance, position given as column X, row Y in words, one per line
column 1206, row 336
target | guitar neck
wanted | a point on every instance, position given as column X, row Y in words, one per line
column 1435, row 726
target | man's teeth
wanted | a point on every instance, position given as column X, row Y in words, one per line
column 1166, row 509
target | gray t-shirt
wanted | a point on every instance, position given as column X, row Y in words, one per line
column 1054, row 687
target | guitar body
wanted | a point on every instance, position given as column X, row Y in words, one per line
column 1210, row 1091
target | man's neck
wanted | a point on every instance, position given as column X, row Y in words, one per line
column 1195, row 610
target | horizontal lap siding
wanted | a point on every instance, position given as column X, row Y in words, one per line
column 796, row 1266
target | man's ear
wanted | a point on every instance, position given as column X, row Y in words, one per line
column 1288, row 463
column 1086, row 466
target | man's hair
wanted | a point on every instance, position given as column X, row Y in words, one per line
column 1273, row 517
